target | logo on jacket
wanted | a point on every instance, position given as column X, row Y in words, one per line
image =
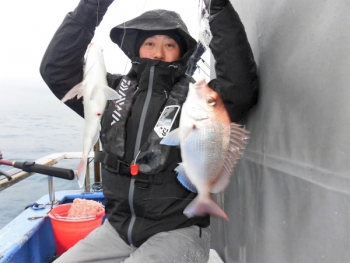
column 166, row 120
column 122, row 91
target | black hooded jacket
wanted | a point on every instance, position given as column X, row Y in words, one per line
column 150, row 203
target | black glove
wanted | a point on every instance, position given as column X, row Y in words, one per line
column 101, row 4
column 215, row 6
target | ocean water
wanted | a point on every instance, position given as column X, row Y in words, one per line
column 32, row 125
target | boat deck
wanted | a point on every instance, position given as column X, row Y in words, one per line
column 29, row 237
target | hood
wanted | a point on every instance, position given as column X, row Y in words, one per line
column 125, row 34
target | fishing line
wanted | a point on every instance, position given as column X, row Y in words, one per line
column 203, row 71
column 121, row 45
column 143, row 8
column 98, row 5
column 199, row 10
column 205, row 63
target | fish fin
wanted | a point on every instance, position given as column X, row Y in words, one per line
column 238, row 139
column 222, row 181
column 239, row 136
column 173, row 138
column 202, row 206
column 76, row 90
column 80, row 94
column 81, row 172
column 183, row 178
column 110, row 93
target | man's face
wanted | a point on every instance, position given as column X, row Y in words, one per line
column 160, row 47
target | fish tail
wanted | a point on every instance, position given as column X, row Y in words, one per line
column 81, row 172
column 201, row 206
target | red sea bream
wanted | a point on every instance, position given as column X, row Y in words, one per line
column 210, row 147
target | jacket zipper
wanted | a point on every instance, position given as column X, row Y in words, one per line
column 136, row 150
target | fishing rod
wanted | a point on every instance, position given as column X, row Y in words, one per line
column 32, row 167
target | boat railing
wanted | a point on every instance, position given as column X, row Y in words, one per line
column 18, row 175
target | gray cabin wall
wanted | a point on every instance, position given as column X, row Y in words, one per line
column 289, row 198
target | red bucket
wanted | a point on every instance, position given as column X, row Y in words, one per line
column 67, row 232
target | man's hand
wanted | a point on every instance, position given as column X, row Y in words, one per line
column 215, row 6
column 102, row 5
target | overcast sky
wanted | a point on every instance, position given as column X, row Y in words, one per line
column 28, row 26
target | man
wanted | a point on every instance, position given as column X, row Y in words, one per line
column 145, row 220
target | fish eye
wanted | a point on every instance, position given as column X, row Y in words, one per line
column 211, row 101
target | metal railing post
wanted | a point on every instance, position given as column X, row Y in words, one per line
column 97, row 165
column 87, row 178
column 51, row 189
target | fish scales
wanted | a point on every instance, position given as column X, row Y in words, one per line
column 205, row 152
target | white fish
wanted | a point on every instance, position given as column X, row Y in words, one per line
column 96, row 92
column 210, row 147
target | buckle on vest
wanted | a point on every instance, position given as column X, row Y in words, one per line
column 113, row 169
column 142, row 183
column 111, row 162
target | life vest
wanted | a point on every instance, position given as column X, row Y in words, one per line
column 152, row 155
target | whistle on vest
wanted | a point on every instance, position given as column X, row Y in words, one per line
column 134, row 169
